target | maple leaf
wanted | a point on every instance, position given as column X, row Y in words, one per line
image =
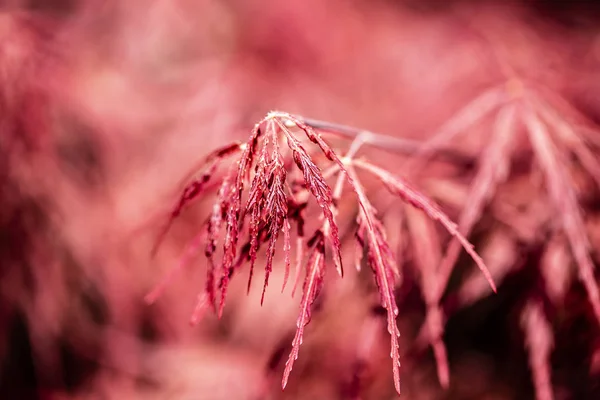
column 315, row 272
column 539, row 343
column 274, row 201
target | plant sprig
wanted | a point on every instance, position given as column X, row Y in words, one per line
column 258, row 199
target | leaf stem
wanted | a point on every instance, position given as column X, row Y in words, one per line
column 385, row 142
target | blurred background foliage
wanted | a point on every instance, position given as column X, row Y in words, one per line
column 105, row 107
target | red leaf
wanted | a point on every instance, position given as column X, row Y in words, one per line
column 539, row 341
column 563, row 196
column 321, row 191
column 400, row 188
column 286, row 250
column 315, row 272
column 190, row 193
column 382, row 263
column 196, row 187
column 427, row 256
column 233, row 215
column 494, row 166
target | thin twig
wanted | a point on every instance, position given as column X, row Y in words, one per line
column 386, row 142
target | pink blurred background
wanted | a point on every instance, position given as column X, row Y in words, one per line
column 106, row 106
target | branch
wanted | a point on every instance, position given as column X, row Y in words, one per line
column 386, row 142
